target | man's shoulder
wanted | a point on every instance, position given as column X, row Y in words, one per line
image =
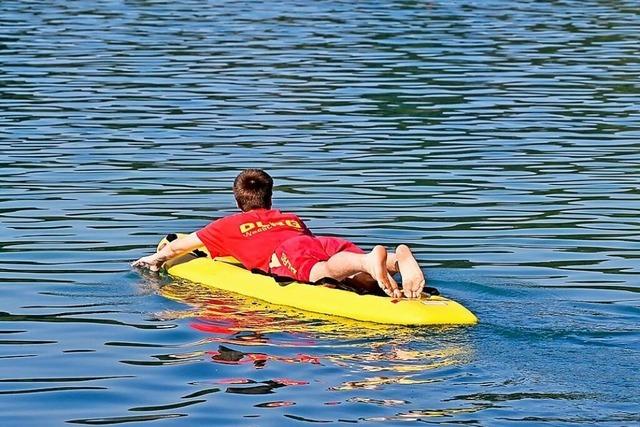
column 215, row 223
column 277, row 213
column 231, row 218
column 254, row 215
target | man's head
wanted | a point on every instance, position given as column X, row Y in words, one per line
column 253, row 189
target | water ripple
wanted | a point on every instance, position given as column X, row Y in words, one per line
column 499, row 139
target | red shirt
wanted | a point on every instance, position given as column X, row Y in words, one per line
column 251, row 237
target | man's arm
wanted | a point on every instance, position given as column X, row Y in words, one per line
column 171, row 250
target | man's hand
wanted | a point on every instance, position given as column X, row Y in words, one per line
column 168, row 251
column 152, row 262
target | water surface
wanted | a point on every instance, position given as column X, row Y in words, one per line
column 499, row 140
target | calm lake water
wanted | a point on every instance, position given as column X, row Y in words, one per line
column 500, row 139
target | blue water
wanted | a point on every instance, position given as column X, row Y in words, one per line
column 499, row 139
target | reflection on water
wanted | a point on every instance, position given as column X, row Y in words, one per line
column 498, row 139
column 241, row 321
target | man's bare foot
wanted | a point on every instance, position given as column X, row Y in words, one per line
column 392, row 263
column 412, row 276
column 376, row 266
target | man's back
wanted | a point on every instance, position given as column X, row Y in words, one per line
column 251, row 237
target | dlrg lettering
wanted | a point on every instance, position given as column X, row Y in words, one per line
column 251, row 228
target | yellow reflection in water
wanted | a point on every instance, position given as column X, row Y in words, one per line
column 239, row 313
column 380, row 354
column 419, row 414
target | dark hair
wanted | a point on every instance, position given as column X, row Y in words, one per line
column 253, row 189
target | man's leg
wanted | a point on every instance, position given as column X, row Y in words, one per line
column 403, row 262
column 365, row 282
column 345, row 264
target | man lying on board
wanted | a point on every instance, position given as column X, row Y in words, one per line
column 280, row 244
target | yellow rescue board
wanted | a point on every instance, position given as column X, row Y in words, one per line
column 226, row 274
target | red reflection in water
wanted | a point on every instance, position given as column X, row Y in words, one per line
column 249, row 386
column 230, row 356
column 287, row 381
